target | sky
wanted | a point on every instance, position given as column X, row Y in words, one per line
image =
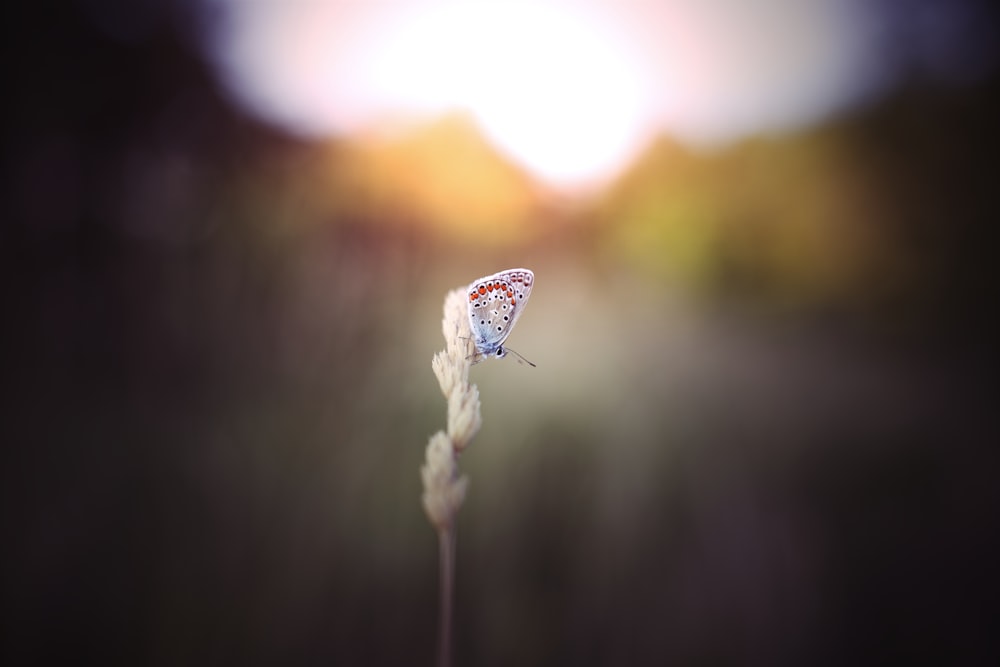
column 571, row 90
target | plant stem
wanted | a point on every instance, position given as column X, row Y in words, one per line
column 446, row 540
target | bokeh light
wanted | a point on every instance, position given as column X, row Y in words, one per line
column 570, row 90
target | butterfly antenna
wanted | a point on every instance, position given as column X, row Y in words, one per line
column 520, row 359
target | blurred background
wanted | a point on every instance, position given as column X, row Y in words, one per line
column 762, row 428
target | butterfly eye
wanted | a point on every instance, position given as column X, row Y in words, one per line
column 501, row 353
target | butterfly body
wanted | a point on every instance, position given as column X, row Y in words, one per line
column 495, row 304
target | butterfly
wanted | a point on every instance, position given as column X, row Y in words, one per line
column 495, row 304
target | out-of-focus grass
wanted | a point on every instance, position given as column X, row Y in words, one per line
column 761, row 424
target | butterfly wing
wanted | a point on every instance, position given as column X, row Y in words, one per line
column 495, row 304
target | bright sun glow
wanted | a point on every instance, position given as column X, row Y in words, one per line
column 549, row 85
column 570, row 89
column 551, row 90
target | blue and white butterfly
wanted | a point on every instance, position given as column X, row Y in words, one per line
column 495, row 304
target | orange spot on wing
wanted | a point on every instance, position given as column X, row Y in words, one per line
column 510, row 294
column 472, row 296
column 489, row 286
column 482, row 289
